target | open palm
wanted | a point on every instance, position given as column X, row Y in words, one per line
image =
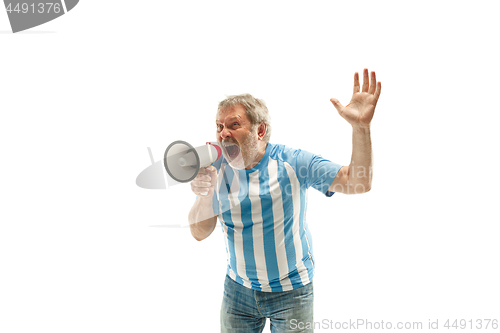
column 359, row 112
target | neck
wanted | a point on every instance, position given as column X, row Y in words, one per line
column 260, row 155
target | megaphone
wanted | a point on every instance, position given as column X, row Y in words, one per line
column 182, row 161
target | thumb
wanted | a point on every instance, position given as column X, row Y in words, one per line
column 213, row 173
column 337, row 104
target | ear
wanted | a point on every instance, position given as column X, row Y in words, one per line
column 261, row 131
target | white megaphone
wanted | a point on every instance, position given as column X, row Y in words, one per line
column 182, row 161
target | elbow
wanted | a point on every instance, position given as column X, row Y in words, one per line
column 197, row 237
column 361, row 188
column 367, row 187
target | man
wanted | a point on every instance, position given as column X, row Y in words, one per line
column 258, row 190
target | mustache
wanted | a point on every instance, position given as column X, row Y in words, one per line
column 226, row 142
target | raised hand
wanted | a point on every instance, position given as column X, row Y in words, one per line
column 359, row 112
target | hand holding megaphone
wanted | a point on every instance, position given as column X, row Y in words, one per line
column 204, row 183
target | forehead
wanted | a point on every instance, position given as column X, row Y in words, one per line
column 229, row 113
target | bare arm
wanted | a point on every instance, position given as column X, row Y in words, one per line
column 202, row 219
column 357, row 177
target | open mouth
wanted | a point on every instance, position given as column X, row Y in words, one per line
column 232, row 150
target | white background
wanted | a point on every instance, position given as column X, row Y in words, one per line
column 84, row 95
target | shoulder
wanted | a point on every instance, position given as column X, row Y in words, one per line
column 285, row 153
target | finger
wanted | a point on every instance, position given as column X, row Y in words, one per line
column 356, row 83
column 212, row 173
column 201, row 184
column 205, row 178
column 365, row 80
column 373, row 83
column 200, row 190
column 206, row 191
column 377, row 91
column 337, row 104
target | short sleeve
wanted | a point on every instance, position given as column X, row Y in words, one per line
column 316, row 171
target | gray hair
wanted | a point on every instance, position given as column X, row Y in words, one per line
column 255, row 109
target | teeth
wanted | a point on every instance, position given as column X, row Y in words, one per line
column 227, row 145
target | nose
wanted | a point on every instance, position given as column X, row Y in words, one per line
column 225, row 133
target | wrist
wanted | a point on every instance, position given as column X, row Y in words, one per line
column 359, row 129
column 205, row 199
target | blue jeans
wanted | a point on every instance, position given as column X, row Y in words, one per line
column 245, row 310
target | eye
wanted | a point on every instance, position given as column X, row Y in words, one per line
column 219, row 127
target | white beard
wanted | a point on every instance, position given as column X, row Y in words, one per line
column 249, row 150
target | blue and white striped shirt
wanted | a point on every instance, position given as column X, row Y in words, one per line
column 263, row 216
